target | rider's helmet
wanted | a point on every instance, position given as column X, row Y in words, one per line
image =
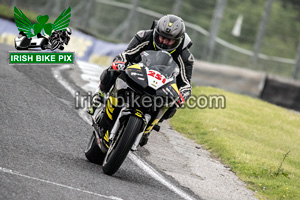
column 69, row 31
column 168, row 33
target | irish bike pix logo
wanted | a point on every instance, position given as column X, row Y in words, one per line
column 42, row 42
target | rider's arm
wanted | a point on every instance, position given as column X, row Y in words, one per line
column 135, row 47
column 186, row 61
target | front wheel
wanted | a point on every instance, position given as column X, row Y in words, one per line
column 93, row 153
column 120, row 148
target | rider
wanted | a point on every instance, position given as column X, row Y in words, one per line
column 168, row 33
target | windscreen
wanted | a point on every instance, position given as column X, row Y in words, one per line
column 160, row 61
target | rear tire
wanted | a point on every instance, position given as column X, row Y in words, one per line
column 93, row 153
column 116, row 157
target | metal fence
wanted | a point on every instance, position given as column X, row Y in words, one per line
column 118, row 21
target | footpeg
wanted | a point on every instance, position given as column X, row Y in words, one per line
column 156, row 128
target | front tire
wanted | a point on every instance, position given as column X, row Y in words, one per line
column 117, row 155
column 93, row 153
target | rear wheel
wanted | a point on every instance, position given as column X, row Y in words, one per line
column 93, row 153
column 120, row 148
column 44, row 44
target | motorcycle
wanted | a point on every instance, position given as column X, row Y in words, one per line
column 143, row 92
column 58, row 38
column 22, row 42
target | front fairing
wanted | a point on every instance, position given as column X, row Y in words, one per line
column 138, row 74
column 151, row 81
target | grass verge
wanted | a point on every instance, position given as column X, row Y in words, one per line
column 258, row 140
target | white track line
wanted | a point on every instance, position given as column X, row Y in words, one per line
column 157, row 176
column 138, row 161
column 88, row 77
column 91, row 74
column 57, row 184
column 56, row 73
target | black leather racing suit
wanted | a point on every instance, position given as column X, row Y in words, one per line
column 142, row 41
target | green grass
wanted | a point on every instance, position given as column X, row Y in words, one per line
column 252, row 137
column 6, row 11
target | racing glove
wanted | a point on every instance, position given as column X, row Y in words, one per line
column 118, row 65
column 180, row 101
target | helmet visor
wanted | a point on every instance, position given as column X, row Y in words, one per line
column 166, row 43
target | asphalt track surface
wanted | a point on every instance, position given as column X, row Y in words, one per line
column 43, row 141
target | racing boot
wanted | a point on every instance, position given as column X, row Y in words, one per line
column 144, row 139
column 97, row 99
column 168, row 114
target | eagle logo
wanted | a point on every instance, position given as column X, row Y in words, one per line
column 58, row 31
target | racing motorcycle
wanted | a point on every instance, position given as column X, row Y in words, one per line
column 132, row 108
column 57, row 39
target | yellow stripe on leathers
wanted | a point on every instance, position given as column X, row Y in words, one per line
column 173, row 51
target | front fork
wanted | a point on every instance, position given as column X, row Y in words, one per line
column 145, row 130
column 146, row 119
column 148, row 129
